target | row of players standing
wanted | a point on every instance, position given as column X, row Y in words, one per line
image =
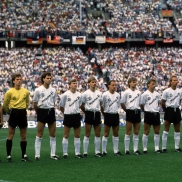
column 92, row 103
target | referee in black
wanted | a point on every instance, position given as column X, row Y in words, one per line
column 16, row 101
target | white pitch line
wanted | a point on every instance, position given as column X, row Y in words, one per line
column 2, row 140
column 1, row 180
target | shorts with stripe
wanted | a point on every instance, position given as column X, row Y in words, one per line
column 92, row 118
column 18, row 117
column 152, row 118
column 111, row 119
column 133, row 116
column 72, row 120
column 46, row 115
column 172, row 115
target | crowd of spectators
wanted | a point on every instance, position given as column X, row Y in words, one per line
column 111, row 63
column 38, row 18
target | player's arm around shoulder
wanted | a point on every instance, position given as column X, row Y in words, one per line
column 35, row 99
column 142, row 101
column 62, row 102
column 163, row 101
column 27, row 98
column 82, row 107
column 123, row 100
column 7, row 98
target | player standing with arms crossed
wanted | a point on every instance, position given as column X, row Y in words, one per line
column 44, row 100
column 149, row 104
column 91, row 107
column 171, row 98
column 16, row 101
column 130, row 101
column 70, row 103
column 109, row 108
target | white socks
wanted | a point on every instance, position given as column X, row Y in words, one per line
column 164, row 139
column 127, row 142
column 135, row 142
column 97, row 145
column 115, row 144
column 176, row 139
column 37, row 146
column 77, row 144
column 53, row 146
column 145, row 142
column 156, row 141
column 65, row 146
column 104, row 144
column 85, row 144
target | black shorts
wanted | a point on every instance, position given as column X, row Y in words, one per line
column 18, row 117
column 46, row 115
column 72, row 120
column 133, row 116
column 92, row 119
column 152, row 118
column 172, row 116
column 111, row 119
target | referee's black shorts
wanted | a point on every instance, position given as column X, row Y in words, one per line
column 18, row 117
column 46, row 115
column 111, row 119
column 152, row 118
column 92, row 118
column 172, row 115
column 72, row 120
column 133, row 116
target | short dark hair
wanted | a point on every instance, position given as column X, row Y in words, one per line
column 92, row 78
column 71, row 81
column 110, row 81
column 14, row 76
column 44, row 75
column 132, row 79
column 151, row 80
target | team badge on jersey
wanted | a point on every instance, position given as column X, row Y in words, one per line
column 14, row 98
column 148, row 98
column 42, row 94
column 89, row 98
column 130, row 96
column 69, row 99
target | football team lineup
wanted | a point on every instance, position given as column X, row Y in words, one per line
column 94, row 104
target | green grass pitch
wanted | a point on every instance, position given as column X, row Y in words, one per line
column 145, row 168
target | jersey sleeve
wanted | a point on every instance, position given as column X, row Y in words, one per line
column 6, row 102
column 36, row 96
column 143, row 99
column 27, row 99
column 103, row 100
column 63, row 100
column 55, row 96
column 80, row 101
column 84, row 97
column 123, row 97
column 100, row 97
column 164, row 95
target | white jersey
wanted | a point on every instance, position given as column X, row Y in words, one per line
column 71, row 102
column 45, row 97
column 92, row 100
column 172, row 97
column 111, row 102
column 131, row 99
column 150, row 101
